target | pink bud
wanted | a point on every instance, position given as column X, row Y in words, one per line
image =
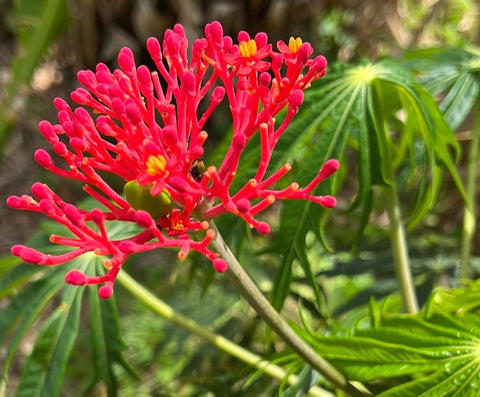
column 318, row 64
column 78, row 144
column 243, row 205
column 154, row 49
column 214, row 31
column 218, row 94
column 145, row 79
column 198, row 47
column 188, row 84
column 48, row 132
column 48, row 207
column 126, row 60
column 329, row 168
column 60, row 149
column 97, row 216
column 43, row 158
column 295, row 100
column 60, row 104
column 73, row 214
column 178, row 29
column 118, row 106
column 103, row 74
column 133, row 113
column 227, row 43
column 327, row 201
column 64, row 116
column 81, row 96
column 304, row 52
column 19, row 203
column 105, row 291
column 41, row 191
column 114, row 91
column 84, row 118
column 171, row 42
column 220, row 265
column 75, row 277
column 263, row 228
column 88, row 79
column 28, row 254
column 104, row 127
column 264, row 79
column 144, row 219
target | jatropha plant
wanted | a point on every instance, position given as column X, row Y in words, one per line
column 148, row 128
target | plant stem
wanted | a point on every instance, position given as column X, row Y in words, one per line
column 266, row 311
column 469, row 213
column 167, row 312
column 400, row 250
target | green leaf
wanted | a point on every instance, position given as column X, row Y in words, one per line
column 455, row 300
column 452, row 73
column 25, row 307
column 443, row 347
column 45, row 367
column 107, row 342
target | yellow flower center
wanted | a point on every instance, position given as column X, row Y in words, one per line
column 294, row 44
column 248, row 48
column 156, row 166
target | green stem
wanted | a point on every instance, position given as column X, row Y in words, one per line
column 162, row 309
column 266, row 311
column 469, row 213
column 400, row 250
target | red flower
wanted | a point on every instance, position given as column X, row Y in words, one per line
column 151, row 135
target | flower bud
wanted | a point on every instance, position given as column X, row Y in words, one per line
column 105, row 291
column 43, row 158
column 75, row 277
column 220, row 265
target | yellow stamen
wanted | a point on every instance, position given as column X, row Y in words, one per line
column 156, row 165
column 248, row 48
column 294, row 44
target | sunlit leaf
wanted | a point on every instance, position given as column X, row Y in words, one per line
column 451, row 74
column 439, row 353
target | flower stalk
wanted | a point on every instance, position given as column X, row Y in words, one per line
column 168, row 313
column 266, row 311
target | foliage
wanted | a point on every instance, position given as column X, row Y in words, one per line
column 429, row 356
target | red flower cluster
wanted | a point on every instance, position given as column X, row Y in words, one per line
column 147, row 129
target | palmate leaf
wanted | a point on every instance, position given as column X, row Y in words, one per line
column 106, row 340
column 455, row 300
column 451, row 72
column 45, row 368
column 360, row 106
column 439, row 353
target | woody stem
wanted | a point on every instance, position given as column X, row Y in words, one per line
column 265, row 310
